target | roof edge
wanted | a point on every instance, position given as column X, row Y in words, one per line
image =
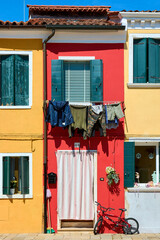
column 140, row 14
column 97, row 27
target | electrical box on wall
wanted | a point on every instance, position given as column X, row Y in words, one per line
column 76, row 145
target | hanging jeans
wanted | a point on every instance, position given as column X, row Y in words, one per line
column 93, row 118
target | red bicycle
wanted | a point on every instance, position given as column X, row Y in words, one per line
column 128, row 225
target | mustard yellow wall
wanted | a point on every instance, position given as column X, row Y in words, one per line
column 142, row 105
column 21, row 130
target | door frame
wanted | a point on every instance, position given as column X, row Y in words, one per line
column 94, row 184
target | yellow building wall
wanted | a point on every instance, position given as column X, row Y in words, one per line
column 21, row 131
column 142, row 114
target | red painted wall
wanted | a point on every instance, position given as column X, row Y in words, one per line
column 110, row 148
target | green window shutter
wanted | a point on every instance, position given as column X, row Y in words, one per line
column 129, row 164
column 21, row 80
column 25, row 175
column 6, row 175
column 154, row 60
column 140, row 60
column 77, row 81
column 96, row 68
column 57, row 80
column 7, row 80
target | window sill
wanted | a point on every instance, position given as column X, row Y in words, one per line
column 143, row 189
column 143, row 85
column 16, row 196
column 15, row 107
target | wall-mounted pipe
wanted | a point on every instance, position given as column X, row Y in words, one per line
column 45, row 125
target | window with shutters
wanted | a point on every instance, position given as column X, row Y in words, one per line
column 16, row 175
column 144, row 60
column 77, row 81
column 15, row 79
column 141, row 163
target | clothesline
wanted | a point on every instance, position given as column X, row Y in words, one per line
column 107, row 102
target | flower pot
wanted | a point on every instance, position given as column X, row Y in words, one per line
column 12, row 190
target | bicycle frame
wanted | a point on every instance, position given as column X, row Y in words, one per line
column 120, row 222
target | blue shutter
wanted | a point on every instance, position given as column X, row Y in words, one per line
column 7, row 80
column 57, row 80
column 129, row 164
column 21, row 80
column 96, row 67
column 6, row 175
column 140, row 60
column 154, row 60
column 24, row 175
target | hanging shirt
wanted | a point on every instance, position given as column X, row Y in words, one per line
column 59, row 114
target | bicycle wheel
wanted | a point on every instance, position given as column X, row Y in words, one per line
column 132, row 226
column 98, row 226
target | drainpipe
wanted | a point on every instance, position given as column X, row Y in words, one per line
column 45, row 125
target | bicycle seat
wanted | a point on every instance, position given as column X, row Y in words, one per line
column 123, row 209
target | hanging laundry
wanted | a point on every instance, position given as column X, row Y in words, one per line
column 97, row 108
column 114, row 110
column 59, row 114
column 93, row 118
column 111, row 124
column 79, row 114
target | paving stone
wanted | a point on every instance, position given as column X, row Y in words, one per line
column 11, row 236
column 106, row 236
column 116, row 236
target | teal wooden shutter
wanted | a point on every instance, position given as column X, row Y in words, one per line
column 77, row 81
column 57, row 80
column 21, row 80
column 7, row 80
column 96, row 68
column 129, row 164
column 6, row 175
column 25, row 175
column 154, row 60
column 140, row 60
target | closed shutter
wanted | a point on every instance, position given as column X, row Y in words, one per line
column 7, row 80
column 6, row 175
column 154, row 60
column 21, row 80
column 57, row 80
column 96, row 68
column 140, row 61
column 129, row 164
column 24, row 175
column 77, row 81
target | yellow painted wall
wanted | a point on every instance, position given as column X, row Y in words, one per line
column 21, row 130
column 142, row 105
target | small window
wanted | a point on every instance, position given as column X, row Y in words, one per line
column 146, row 60
column 141, row 163
column 78, row 81
column 16, row 172
column 15, row 79
column 145, row 164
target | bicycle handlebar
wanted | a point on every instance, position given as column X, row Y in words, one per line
column 107, row 209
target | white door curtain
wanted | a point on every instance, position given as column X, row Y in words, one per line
column 75, row 185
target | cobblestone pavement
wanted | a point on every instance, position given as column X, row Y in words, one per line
column 78, row 236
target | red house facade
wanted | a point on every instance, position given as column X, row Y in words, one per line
column 88, row 44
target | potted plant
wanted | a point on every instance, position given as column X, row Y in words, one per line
column 13, row 185
column 112, row 176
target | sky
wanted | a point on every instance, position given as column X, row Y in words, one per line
column 14, row 10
